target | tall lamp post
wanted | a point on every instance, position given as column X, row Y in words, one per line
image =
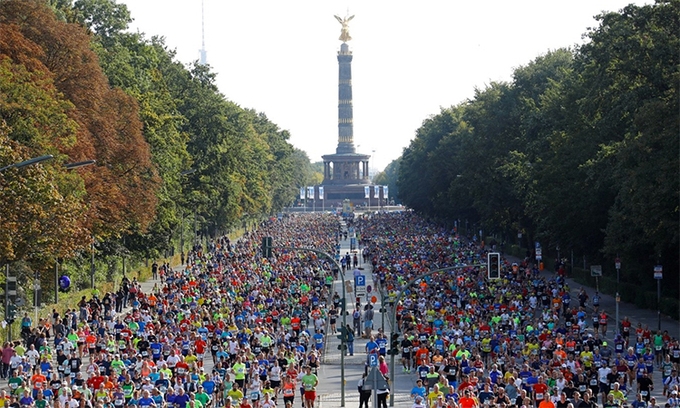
column 19, row 165
column 69, row 166
column 617, row 264
column 658, row 275
column 181, row 234
column 28, row 162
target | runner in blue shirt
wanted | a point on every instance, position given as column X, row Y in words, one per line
column 318, row 340
column 371, row 346
column 418, row 389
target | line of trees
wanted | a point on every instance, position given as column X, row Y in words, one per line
column 169, row 146
column 579, row 151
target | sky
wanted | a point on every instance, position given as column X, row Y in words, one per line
column 411, row 59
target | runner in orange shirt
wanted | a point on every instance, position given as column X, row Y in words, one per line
column 422, row 356
column 38, row 380
column 91, row 341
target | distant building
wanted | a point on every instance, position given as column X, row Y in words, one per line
column 346, row 173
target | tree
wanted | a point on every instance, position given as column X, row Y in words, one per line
column 630, row 78
column 121, row 188
column 389, row 177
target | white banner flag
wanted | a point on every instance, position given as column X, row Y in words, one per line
column 376, row 191
column 367, row 192
column 302, row 193
column 385, row 192
column 320, row 192
column 310, row 192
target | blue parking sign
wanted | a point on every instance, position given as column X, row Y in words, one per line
column 372, row 360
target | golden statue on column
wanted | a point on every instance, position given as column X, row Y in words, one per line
column 344, row 33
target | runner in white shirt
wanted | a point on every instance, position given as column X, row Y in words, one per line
column 33, row 356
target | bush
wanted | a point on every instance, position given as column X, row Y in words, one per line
column 516, row 251
column 490, row 241
column 670, row 307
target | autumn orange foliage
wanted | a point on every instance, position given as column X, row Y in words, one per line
column 121, row 188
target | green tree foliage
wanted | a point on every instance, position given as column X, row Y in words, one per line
column 76, row 84
column 579, row 150
column 389, row 177
column 244, row 163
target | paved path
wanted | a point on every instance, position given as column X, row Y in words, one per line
column 329, row 374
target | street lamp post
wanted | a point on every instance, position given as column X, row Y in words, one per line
column 658, row 275
column 68, row 166
column 77, row 165
column 181, row 236
column 617, row 264
column 181, row 214
column 56, row 281
column 92, row 269
column 28, row 162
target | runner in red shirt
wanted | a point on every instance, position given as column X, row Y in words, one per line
column 295, row 324
column 200, row 346
column 540, row 390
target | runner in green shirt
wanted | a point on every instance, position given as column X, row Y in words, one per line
column 309, row 383
column 16, row 384
column 239, row 369
column 40, row 402
column 202, row 396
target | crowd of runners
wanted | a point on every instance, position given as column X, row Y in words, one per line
column 519, row 341
column 232, row 329
column 227, row 329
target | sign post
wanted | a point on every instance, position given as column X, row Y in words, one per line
column 617, row 264
column 360, row 285
column 596, row 271
column 375, row 381
column 658, row 275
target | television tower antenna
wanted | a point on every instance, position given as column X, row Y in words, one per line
column 204, row 53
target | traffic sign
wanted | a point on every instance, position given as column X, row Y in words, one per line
column 369, row 289
column 617, row 263
column 372, row 360
column 595, row 270
column 375, row 299
column 360, row 285
column 375, row 380
column 658, row 272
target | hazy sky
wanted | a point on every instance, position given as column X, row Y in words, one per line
column 410, row 58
